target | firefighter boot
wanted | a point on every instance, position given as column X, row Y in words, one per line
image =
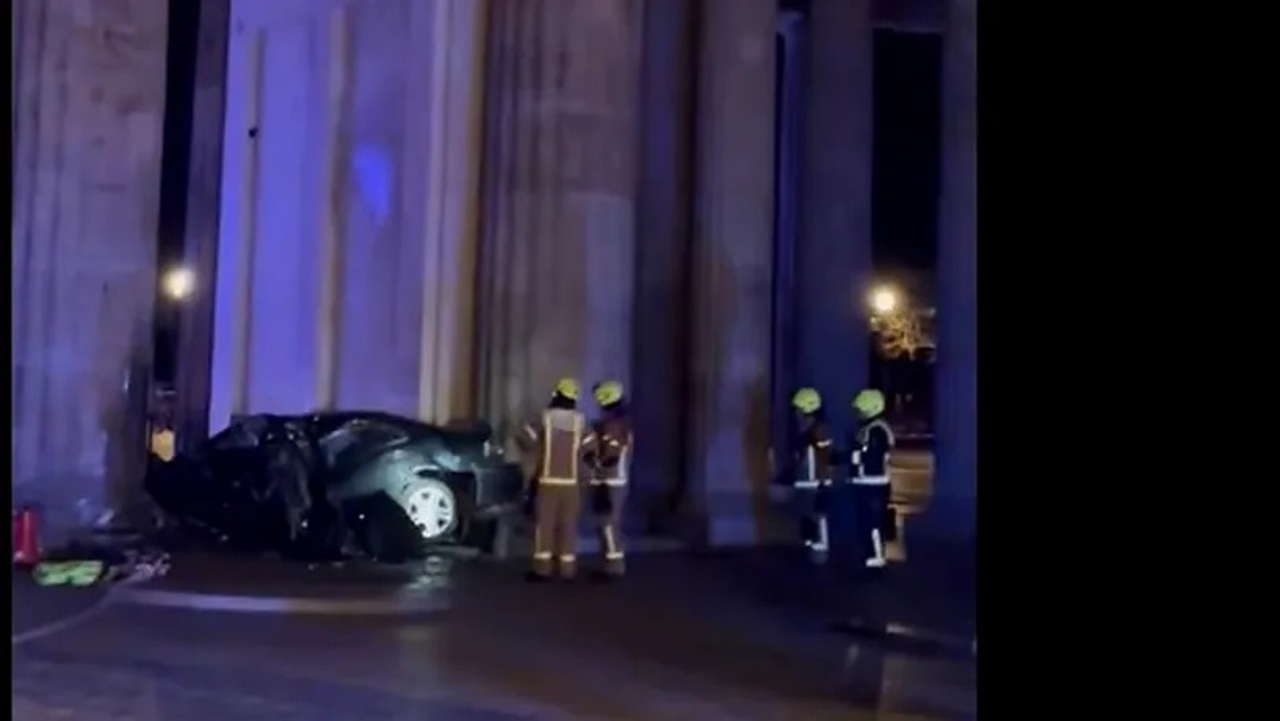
column 818, row 544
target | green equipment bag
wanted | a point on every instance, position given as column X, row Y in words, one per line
column 68, row 573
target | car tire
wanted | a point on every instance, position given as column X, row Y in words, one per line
column 432, row 507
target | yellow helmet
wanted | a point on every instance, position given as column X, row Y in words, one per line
column 869, row 402
column 806, row 400
column 567, row 387
column 608, row 392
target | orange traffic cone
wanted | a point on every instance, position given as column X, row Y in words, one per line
column 26, row 537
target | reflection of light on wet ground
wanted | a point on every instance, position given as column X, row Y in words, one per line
column 433, row 573
column 904, row 682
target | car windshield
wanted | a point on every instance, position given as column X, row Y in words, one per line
column 357, row 437
column 236, row 436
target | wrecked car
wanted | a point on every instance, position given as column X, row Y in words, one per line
column 340, row 484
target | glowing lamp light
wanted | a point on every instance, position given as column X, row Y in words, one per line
column 178, row 283
column 884, row 300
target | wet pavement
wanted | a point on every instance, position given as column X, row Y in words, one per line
column 215, row 572
column 36, row 608
column 728, row 636
column 737, row 635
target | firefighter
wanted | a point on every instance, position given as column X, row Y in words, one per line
column 869, row 476
column 608, row 453
column 812, row 481
column 557, row 437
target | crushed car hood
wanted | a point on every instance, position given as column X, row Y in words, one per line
column 327, row 484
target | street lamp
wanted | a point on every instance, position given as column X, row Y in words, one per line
column 178, row 283
column 884, row 300
column 886, row 305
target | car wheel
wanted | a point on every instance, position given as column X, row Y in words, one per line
column 432, row 507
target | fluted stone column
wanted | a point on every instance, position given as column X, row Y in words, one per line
column 89, row 94
column 555, row 283
column 349, row 185
column 382, row 186
column 450, row 217
column 664, row 224
column 408, row 188
column 274, row 170
column 732, row 270
column 833, row 256
column 951, row 513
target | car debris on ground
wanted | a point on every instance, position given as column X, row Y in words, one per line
column 85, row 565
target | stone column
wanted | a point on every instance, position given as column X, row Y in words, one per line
column 195, row 329
column 380, row 159
column 556, row 277
column 349, row 185
column 88, row 105
column 454, row 101
column 273, row 176
column 833, row 256
column 237, row 226
column 951, row 513
column 409, row 182
column 664, row 224
column 732, row 270
column 279, row 234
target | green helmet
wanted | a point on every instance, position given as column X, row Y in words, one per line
column 567, row 387
column 608, row 392
column 869, row 402
column 807, row 401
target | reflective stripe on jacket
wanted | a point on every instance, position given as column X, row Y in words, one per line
column 559, row 443
column 610, row 447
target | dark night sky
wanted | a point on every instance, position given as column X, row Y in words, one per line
column 184, row 22
column 184, row 19
column 905, row 173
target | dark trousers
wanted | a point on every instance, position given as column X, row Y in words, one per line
column 871, row 511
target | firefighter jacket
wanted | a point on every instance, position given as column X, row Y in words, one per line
column 557, row 437
column 869, row 462
column 608, row 450
column 813, row 456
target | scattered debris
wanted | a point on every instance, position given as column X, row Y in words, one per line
column 84, row 566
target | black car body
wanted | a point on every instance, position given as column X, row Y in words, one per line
column 339, row 484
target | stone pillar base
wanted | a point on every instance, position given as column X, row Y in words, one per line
column 732, row 519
